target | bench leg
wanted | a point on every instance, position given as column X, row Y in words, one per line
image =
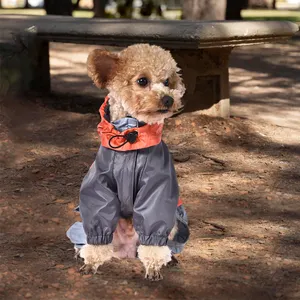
column 24, row 64
column 41, row 69
column 205, row 74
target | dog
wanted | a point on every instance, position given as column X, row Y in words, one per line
column 129, row 199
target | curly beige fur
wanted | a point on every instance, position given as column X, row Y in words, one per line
column 119, row 74
column 95, row 255
column 153, row 258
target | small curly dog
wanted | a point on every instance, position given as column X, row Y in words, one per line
column 129, row 199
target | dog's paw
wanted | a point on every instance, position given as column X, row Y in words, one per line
column 153, row 275
column 94, row 256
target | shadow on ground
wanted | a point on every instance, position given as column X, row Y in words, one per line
column 240, row 190
column 240, row 186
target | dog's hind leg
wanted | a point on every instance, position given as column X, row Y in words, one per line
column 125, row 239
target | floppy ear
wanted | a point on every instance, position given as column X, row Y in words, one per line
column 102, row 66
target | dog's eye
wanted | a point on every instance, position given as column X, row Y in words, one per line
column 166, row 82
column 142, row 81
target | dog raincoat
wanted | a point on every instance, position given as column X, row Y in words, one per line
column 132, row 176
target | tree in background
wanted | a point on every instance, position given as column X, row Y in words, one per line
column 204, row 10
column 75, row 4
column 259, row 3
column 234, row 9
column 150, row 6
column 125, row 8
column 66, row 7
column 99, row 8
column 59, row 7
column 147, row 8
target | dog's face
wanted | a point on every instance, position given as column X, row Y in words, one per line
column 143, row 78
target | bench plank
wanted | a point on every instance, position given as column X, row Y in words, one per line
column 202, row 50
column 172, row 34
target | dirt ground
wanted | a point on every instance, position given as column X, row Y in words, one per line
column 239, row 180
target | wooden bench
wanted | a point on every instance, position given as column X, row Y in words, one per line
column 202, row 50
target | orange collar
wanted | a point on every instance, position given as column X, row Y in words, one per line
column 130, row 139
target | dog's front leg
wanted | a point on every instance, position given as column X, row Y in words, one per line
column 153, row 258
column 95, row 256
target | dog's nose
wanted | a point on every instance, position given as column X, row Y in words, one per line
column 167, row 101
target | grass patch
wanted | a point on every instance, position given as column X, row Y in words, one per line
column 20, row 11
column 83, row 14
column 271, row 15
column 42, row 12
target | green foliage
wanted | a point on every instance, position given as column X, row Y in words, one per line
column 271, row 15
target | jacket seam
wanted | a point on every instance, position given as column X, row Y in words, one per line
column 142, row 172
column 113, row 167
column 134, row 190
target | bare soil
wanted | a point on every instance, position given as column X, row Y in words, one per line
column 239, row 180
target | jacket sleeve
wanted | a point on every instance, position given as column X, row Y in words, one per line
column 157, row 197
column 99, row 204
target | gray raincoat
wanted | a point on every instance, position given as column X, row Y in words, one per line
column 139, row 183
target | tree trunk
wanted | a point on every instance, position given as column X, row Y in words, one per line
column 125, row 8
column 59, row 7
column 274, row 4
column 204, row 9
column 76, row 4
column 99, row 8
column 147, row 8
column 234, row 9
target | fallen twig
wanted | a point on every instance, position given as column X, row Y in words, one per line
column 220, row 227
column 218, row 161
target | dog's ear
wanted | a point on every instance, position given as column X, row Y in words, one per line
column 102, row 66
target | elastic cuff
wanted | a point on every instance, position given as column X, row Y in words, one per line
column 153, row 240
column 99, row 239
